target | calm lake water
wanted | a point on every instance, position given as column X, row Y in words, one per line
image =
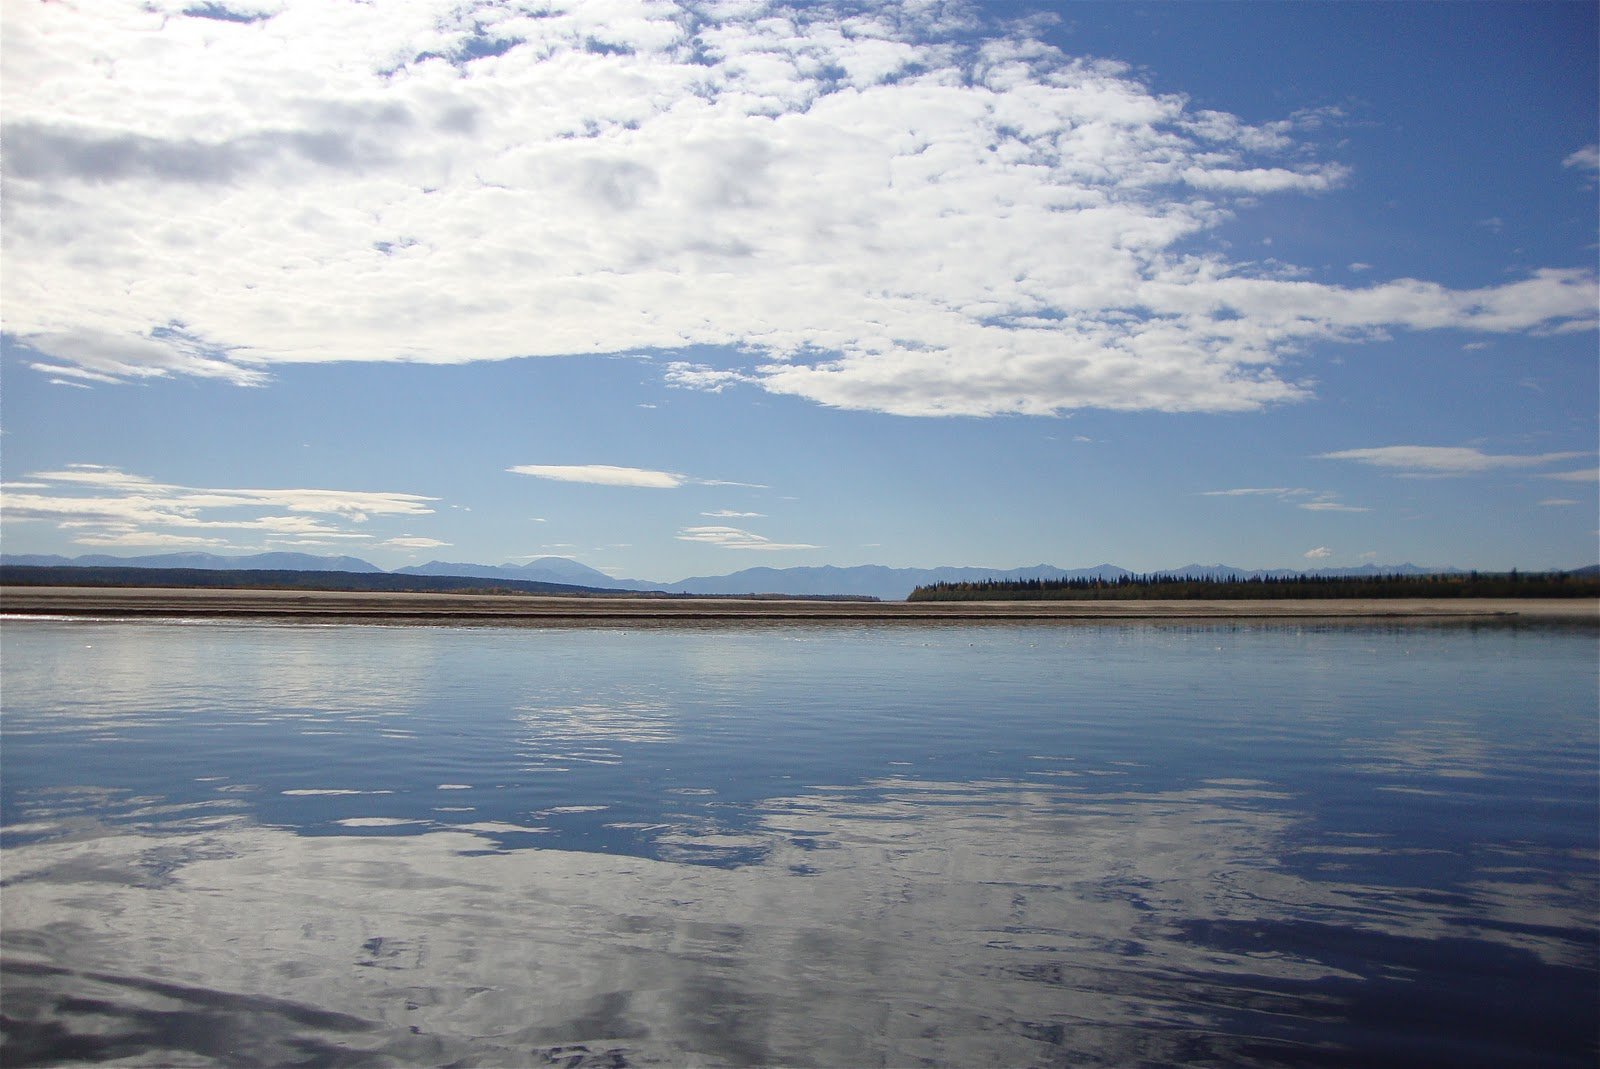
column 234, row 844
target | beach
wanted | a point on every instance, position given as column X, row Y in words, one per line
column 334, row 605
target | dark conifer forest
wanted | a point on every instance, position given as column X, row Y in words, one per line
column 1157, row 587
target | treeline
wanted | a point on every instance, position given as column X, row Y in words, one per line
column 1157, row 587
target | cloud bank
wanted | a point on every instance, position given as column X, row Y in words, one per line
column 902, row 208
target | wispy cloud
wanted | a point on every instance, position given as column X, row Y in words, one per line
column 106, row 506
column 1257, row 491
column 1557, row 502
column 1586, row 475
column 614, row 475
column 413, row 542
column 1320, row 500
column 150, row 539
column 1586, row 158
column 1447, row 460
column 734, row 538
column 730, row 514
column 1331, row 506
column 602, row 475
column 446, row 183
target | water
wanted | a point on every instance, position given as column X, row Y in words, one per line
column 825, row 845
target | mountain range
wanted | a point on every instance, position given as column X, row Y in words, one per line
column 871, row 580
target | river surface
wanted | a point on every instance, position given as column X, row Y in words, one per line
column 801, row 845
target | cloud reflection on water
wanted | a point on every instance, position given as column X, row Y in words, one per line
column 891, row 924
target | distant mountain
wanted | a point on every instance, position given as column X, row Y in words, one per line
column 542, row 570
column 303, row 562
column 869, row 580
column 269, row 578
column 894, row 584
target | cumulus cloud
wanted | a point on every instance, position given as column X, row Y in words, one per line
column 1319, row 553
column 905, row 208
column 1446, row 460
column 106, row 506
column 734, row 538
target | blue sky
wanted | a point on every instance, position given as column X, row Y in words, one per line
column 677, row 289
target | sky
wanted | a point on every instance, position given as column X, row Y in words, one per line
column 677, row 289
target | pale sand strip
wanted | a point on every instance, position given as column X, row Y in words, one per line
column 510, row 608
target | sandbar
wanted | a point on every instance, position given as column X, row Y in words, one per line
column 366, row 606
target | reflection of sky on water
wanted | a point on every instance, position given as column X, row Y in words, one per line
column 589, row 732
column 806, row 846
column 959, row 923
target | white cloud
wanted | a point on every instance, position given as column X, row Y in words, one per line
column 96, row 475
column 866, row 207
column 412, row 542
column 1321, row 500
column 734, row 538
column 701, row 377
column 1557, row 502
column 602, row 475
column 114, row 508
column 1319, row 553
column 1585, row 475
column 1332, row 506
column 730, row 514
column 613, row 475
column 1255, row 491
column 1586, row 158
column 147, row 539
column 1445, row 460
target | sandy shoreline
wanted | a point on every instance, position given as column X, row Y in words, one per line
column 325, row 605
